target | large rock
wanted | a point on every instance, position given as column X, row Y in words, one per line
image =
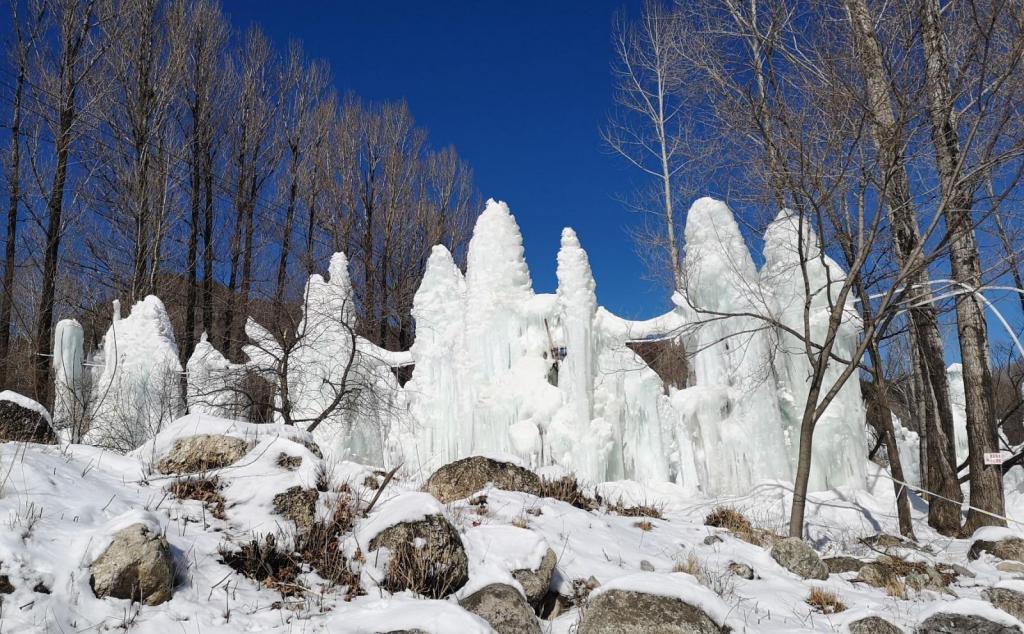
column 463, row 478
column 425, row 556
column 877, row 575
column 537, row 582
column 24, row 420
column 298, row 505
column 203, row 452
column 796, row 556
column 842, row 564
column 504, row 608
column 873, row 625
column 1007, row 600
column 137, row 565
column 1011, row 548
column 947, row 623
column 627, row 612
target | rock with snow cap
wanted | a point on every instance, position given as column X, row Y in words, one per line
column 24, row 420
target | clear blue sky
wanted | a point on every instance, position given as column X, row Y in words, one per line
column 520, row 88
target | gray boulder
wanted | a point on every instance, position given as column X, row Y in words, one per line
column 1009, row 601
column 537, row 582
column 796, row 556
column 203, row 452
column 426, row 556
column 24, row 424
column 298, row 505
column 945, row 623
column 1011, row 548
column 462, row 478
column 841, row 564
column 873, row 625
column 626, row 612
column 137, row 565
column 504, row 608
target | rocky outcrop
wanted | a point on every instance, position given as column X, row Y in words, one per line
column 1011, row 548
column 796, row 556
column 23, row 420
column 426, row 556
column 627, row 612
column 945, row 623
column 137, row 565
column 536, row 582
column 1007, row 600
column 503, row 608
column 462, row 478
column 842, row 564
column 873, row 625
column 298, row 505
column 203, row 452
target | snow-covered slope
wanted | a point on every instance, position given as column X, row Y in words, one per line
column 60, row 507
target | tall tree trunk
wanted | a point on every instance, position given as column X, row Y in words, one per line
column 192, row 264
column 208, row 241
column 51, row 258
column 14, row 186
column 289, row 219
column 987, row 504
column 889, row 142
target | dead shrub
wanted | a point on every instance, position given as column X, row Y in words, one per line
column 896, row 588
column 737, row 523
column 824, row 601
column 568, row 490
column 729, row 519
column 264, row 562
column 315, row 546
column 203, row 489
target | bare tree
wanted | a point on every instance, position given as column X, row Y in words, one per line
column 648, row 129
column 62, row 67
column 207, row 35
column 254, row 158
column 992, row 64
column 25, row 36
column 889, row 140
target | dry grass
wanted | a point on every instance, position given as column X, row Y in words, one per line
column 315, row 546
column 737, row 523
column 521, row 522
column 824, row 601
column 896, row 588
column 644, row 525
column 203, row 489
column 721, row 582
column 691, row 566
column 569, row 490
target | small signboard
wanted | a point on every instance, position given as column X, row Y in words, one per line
column 993, row 458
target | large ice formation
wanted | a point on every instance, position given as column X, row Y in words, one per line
column 212, row 385
column 136, row 378
column 795, row 260
column 339, row 385
column 69, row 388
column 552, row 379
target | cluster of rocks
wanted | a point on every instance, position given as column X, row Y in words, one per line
column 427, row 556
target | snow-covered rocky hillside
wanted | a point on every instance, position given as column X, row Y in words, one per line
column 224, row 526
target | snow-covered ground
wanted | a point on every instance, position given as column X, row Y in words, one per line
column 59, row 507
